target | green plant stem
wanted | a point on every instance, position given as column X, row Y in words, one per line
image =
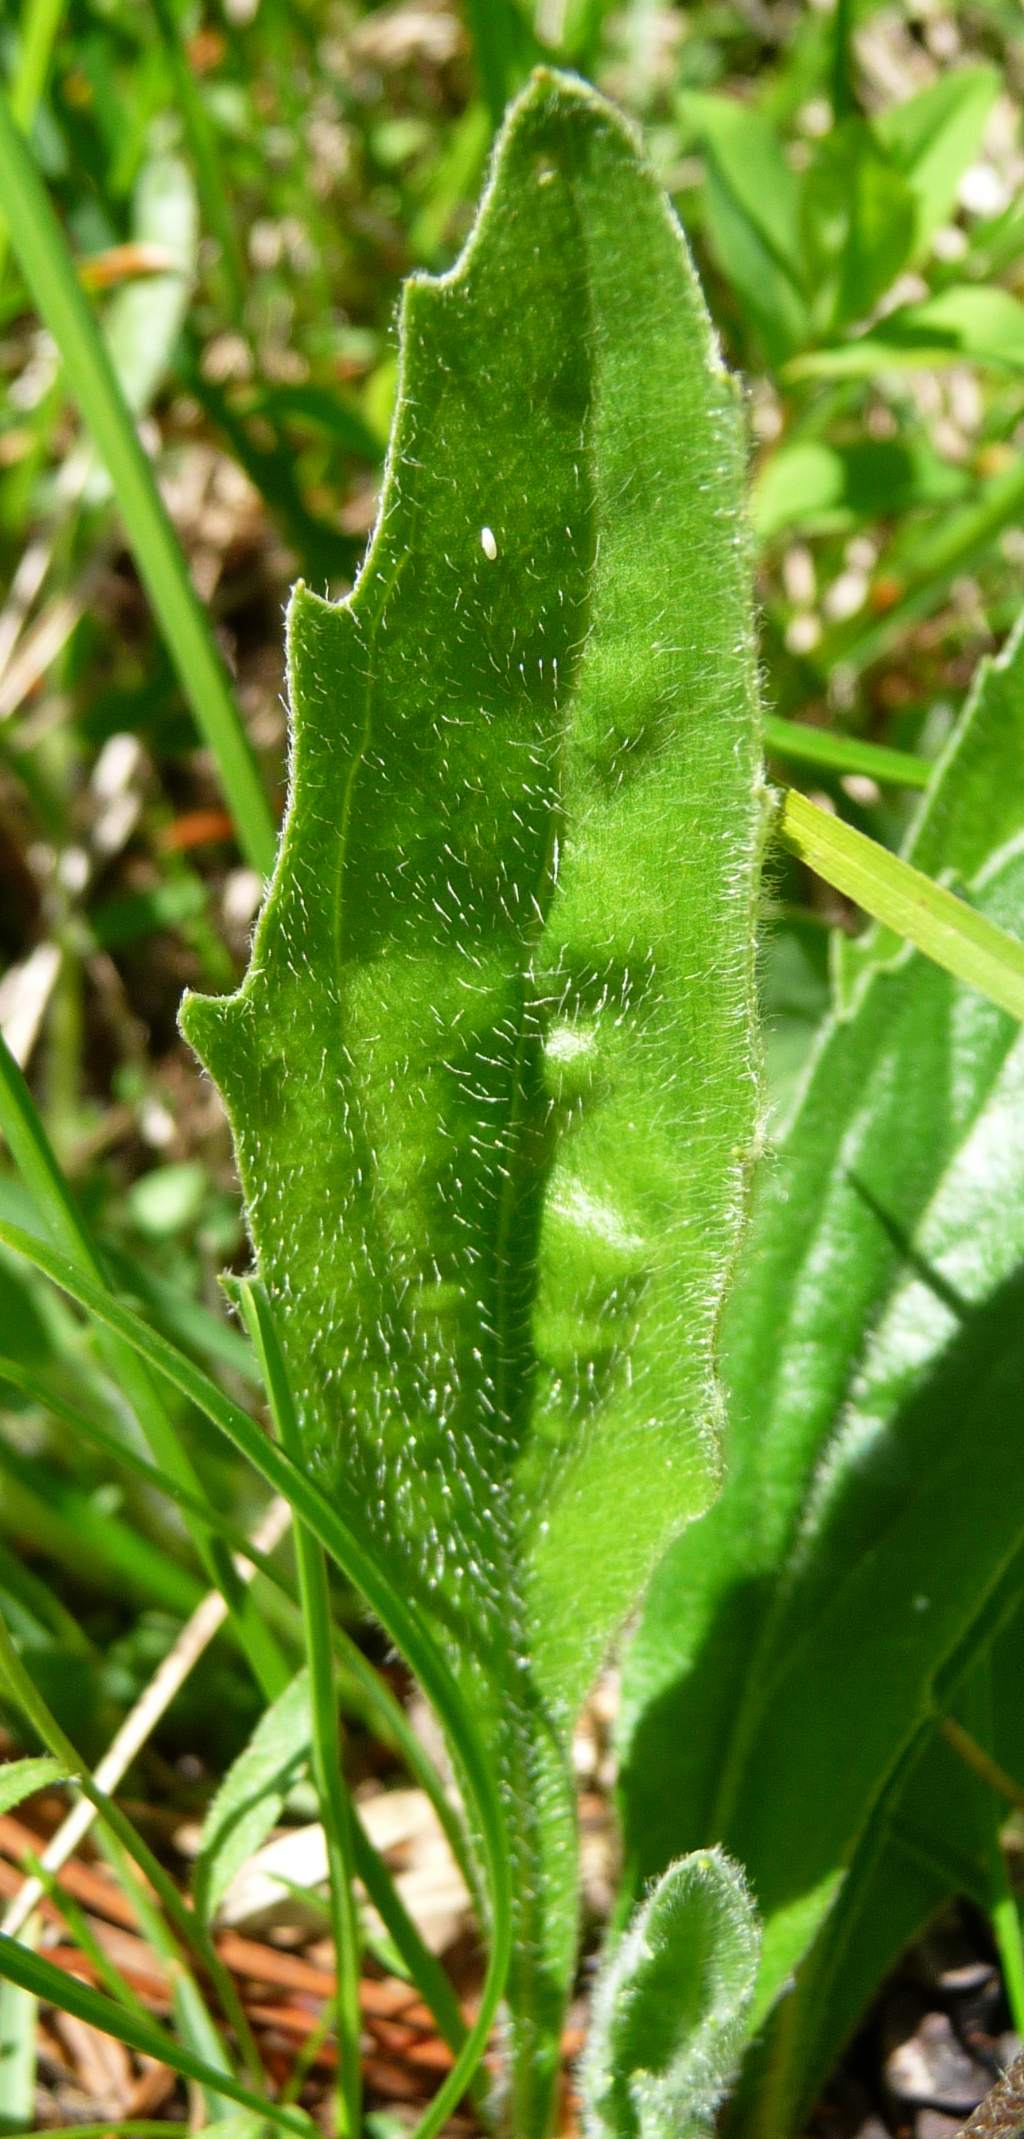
column 203, row 147
column 420, row 1964
column 110, row 1977
column 37, row 31
column 350, row 1852
column 21, row 1690
column 335, row 1809
column 19, row 2037
column 944, row 927
column 1004, row 1916
column 128, row 2128
column 981, row 1763
column 49, row 272
column 18, row 1964
column 306, row 2056
column 194, row 2022
column 37, row 1162
column 401, row 1622
column 495, row 34
column 843, row 99
column 1001, row 1901
column 845, row 753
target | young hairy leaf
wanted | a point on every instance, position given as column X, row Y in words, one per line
column 873, row 1356
column 490, row 1074
column 668, row 2010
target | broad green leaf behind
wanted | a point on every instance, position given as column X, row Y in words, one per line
column 873, row 1355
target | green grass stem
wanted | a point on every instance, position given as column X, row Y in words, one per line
column 20, row 1689
column 37, row 1162
column 332, row 1795
column 202, row 144
column 497, row 36
column 845, row 753
column 387, row 1713
column 49, row 273
column 37, row 34
column 18, row 1964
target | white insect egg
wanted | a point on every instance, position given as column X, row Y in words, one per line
column 488, row 544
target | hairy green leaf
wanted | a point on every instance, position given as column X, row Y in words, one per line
column 873, row 1357
column 490, row 1074
column 669, row 2006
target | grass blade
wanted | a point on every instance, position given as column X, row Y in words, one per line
column 32, row 1973
column 18, row 2017
column 203, row 145
column 500, row 41
column 20, row 1689
column 50, row 275
column 938, row 923
column 126, row 2127
column 844, row 753
column 351, row 1854
column 37, row 1161
column 37, row 31
column 400, row 1621
column 335, row 1809
column 389, row 1717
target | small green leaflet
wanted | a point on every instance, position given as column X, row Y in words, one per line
column 249, row 1801
column 491, row 1074
column 20, row 1779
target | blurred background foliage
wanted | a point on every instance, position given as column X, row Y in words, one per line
column 243, row 184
